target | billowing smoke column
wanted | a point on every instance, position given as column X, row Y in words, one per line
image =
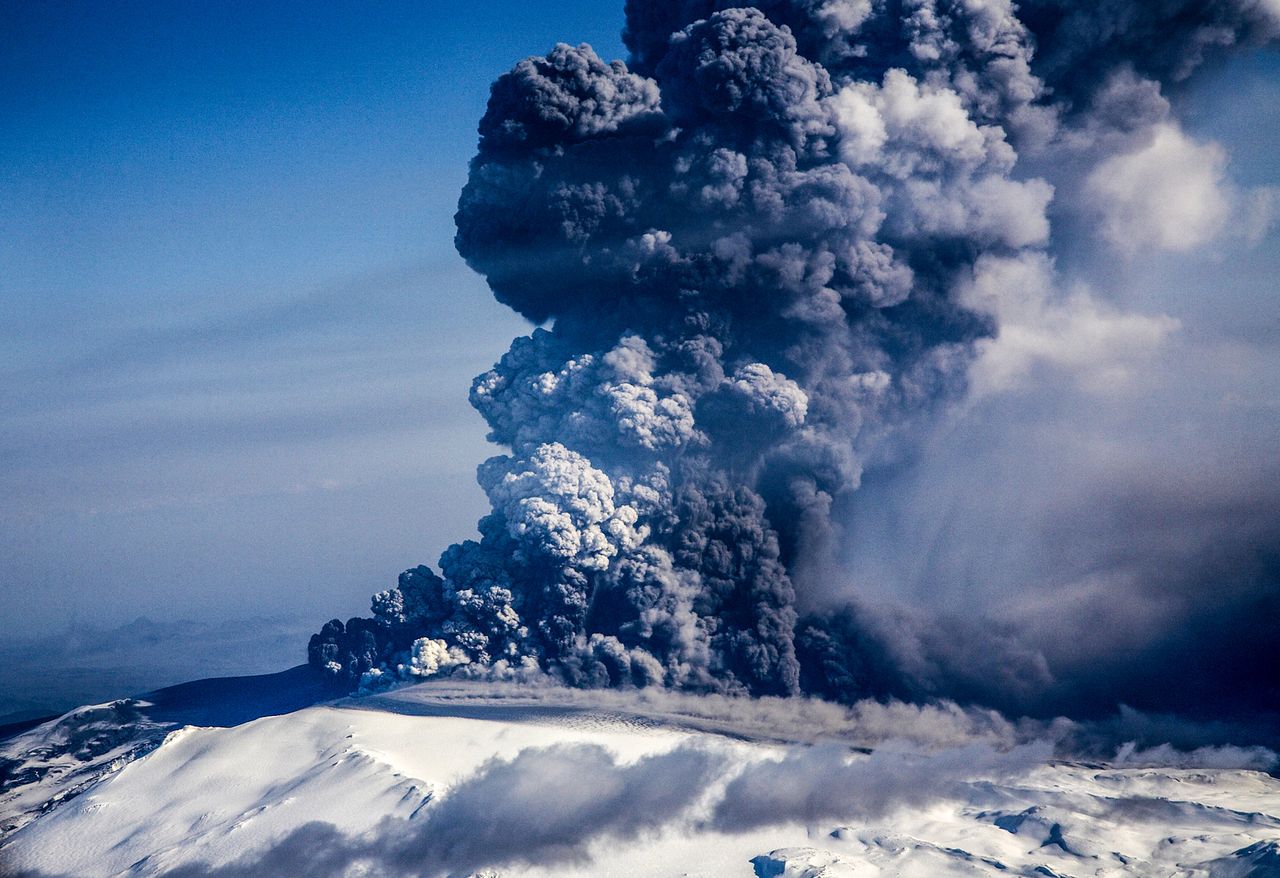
column 748, row 247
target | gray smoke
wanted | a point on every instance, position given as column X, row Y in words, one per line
column 753, row 254
column 822, row 783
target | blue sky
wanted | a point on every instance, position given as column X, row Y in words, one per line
column 236, row 338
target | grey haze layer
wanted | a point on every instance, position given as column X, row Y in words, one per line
column 753, row 253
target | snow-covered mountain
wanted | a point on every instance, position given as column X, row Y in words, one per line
column 464, row 778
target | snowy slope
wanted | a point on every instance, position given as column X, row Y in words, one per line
column 216, row 796
column 53, row 762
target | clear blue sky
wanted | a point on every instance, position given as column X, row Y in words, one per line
column 235, row 337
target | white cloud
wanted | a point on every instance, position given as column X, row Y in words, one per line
column 1256, row 213
column 1269, row 8
column 1091, row 341
column 1170, row 194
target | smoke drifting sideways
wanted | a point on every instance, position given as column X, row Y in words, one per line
column 752, row 254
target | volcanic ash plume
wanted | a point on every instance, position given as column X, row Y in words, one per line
column 750, row 249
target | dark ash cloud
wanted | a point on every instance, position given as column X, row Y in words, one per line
column 765, row 255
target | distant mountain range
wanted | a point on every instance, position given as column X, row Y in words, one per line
column 50, row 674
